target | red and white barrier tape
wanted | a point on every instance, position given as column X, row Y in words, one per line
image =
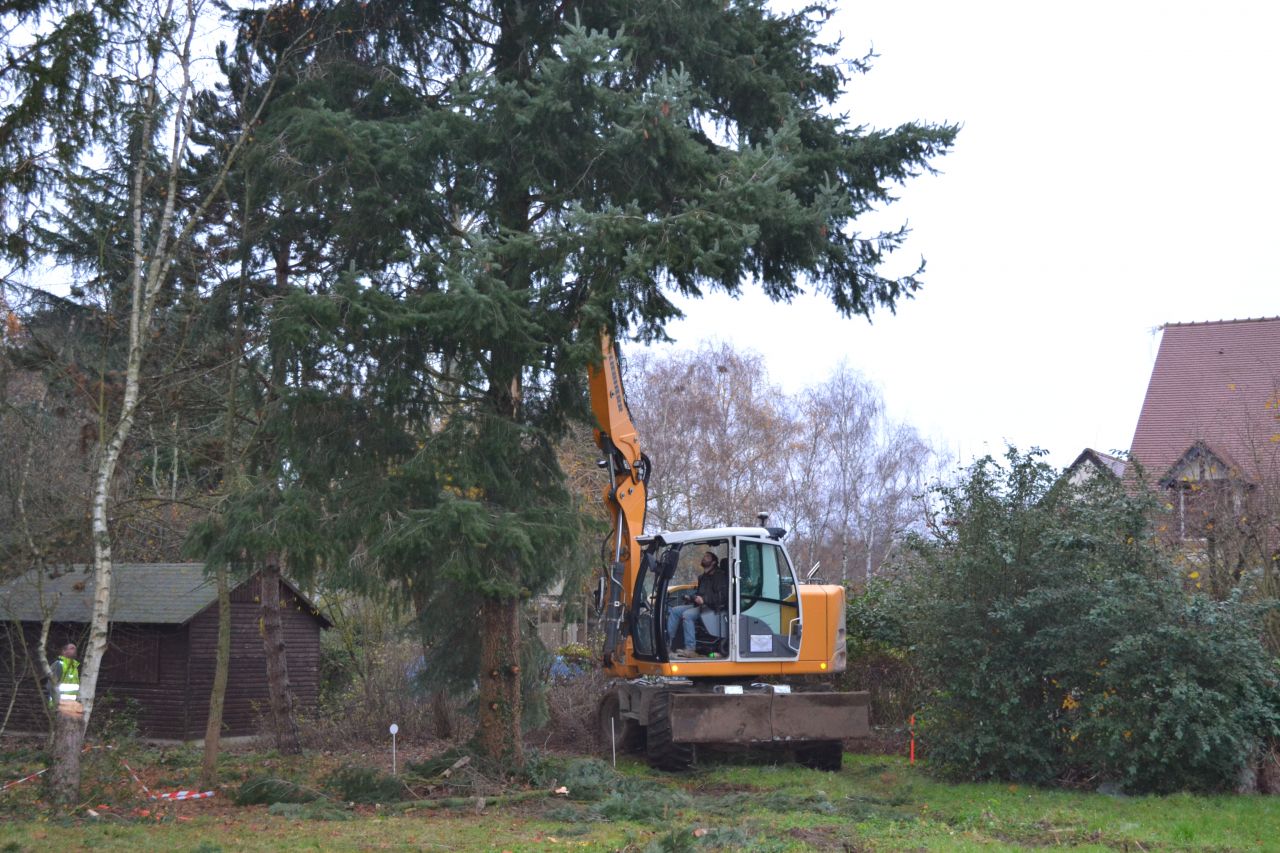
column 36, row 775
column 39, row 773
column 172, row 797
column 183, row 795
column 143, row 785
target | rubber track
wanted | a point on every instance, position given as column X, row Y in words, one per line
column 663, row 752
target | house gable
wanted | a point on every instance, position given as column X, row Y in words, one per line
column 1092, row 463
column 1198, row 464
column 1215, row 385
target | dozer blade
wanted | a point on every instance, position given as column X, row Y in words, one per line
column 768, row 717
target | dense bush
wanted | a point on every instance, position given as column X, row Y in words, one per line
column 1061, row 643
column 879, row 657
column 369, row 679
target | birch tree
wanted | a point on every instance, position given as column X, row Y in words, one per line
column 719, row 433
column 137, row 157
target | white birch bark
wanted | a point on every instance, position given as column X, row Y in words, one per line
column 148, row 270
column 153, row 255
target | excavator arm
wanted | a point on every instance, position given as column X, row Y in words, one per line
column 625, row 495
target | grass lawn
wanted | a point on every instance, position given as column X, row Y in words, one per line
column 875, row 803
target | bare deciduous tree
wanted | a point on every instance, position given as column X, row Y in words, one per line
column 855, row 480
column 719, row 432
column 827, row 463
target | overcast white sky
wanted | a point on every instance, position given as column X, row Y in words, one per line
column 1116, row 171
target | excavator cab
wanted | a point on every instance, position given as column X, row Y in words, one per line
column 761, row 619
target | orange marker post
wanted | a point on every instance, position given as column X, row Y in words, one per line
column 912, row 724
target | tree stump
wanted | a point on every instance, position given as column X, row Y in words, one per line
column 68, row 739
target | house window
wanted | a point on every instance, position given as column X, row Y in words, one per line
column 1195, row 518
column 133, row 656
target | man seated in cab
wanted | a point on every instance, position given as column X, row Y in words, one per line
column 712, row 593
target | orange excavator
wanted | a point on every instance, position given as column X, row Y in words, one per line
column 700, row 659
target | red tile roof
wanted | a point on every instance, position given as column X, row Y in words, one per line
column 1217, row 383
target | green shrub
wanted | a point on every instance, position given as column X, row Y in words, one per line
column 1180, row 698
column 876, row 618
column 880, row 659
column 1060, row 642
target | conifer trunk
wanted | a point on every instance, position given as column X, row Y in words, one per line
column 499, row 735
column 222, row 664
column 281, row 694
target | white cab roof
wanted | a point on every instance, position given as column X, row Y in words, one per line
column 676, row 537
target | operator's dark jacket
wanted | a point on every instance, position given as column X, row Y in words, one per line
column 713, row 586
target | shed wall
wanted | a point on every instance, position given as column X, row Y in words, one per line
column 143, row 676
column 247, row 698
column 168, row 669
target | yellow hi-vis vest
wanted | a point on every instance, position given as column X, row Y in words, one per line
column 69, row 682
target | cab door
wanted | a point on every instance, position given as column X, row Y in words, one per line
column 648, row 612
column 767, row 612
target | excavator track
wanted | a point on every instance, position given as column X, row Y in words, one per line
column 663, row 752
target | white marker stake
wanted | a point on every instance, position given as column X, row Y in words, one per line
column 394, row 729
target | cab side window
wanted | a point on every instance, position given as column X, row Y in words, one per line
column 766, row 598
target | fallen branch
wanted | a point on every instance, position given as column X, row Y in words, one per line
column 477, row 803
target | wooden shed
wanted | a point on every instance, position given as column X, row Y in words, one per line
column 161, row 647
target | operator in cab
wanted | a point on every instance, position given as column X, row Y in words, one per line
column 712, row 592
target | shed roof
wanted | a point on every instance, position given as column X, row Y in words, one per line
column 152, row 593
column 1215, row 383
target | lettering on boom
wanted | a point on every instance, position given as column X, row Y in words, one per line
column 617, row 381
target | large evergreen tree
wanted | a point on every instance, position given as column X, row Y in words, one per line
column 456, row 198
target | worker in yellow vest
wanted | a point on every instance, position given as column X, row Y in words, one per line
column 66, row 674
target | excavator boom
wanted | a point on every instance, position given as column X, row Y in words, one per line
column 625, row 495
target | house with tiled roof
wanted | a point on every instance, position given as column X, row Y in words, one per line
column 1214, row 386
column 160, row 649
column 1209, row 433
